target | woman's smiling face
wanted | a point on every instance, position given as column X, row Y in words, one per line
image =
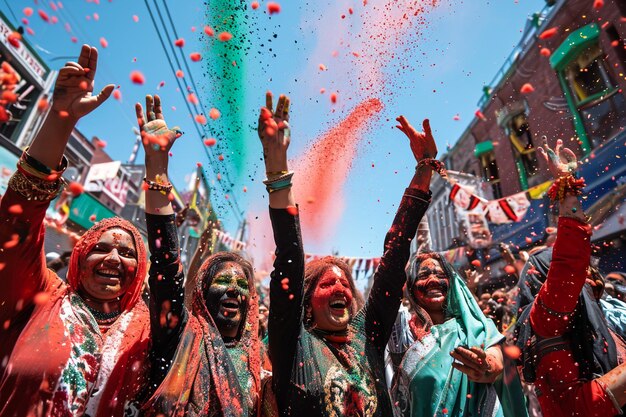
column 110, row 266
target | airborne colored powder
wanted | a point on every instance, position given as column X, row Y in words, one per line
column 225, row 73
column 369, row 47
column 320, row 174
column 324, row 168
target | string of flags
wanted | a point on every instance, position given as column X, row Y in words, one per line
column 503, row 210
column 225, row 240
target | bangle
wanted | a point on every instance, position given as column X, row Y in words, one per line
column 35, row 188
column 435, row 164
column 158, row 185
column 279, row 183
column 274, row 189
column 567, row 185
column 33, row 168
column 275, row 173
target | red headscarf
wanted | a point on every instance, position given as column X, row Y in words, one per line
column 86, row 243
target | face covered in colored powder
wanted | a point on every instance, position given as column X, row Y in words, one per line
column 332, row 300
column 109, row 268
column 431, row 287
column 227, row 298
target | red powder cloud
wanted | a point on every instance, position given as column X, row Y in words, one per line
column 323, row 169
column 320, row 174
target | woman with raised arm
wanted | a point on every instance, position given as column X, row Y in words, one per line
column 327, row 357
column 567, row 349
column 75, row 348
column 447, row 353
column 205, row 361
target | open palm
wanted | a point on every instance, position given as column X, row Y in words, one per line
column 73, row 91
column 422, row 143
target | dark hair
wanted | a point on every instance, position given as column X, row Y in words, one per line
column 314, row 270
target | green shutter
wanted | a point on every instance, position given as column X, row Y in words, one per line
column 483, row 148
column 573, row 45
column 84, row 206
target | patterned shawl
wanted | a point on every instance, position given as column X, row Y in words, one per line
column 205, row 378
column 62, row 358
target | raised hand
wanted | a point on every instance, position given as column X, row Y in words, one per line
column 561, row 161
column 73, row 91
column 157, row 138
column 274, row 132
column 422, row 143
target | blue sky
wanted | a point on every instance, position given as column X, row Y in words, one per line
column 438, row 73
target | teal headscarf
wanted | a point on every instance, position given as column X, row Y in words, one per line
column 426, row 384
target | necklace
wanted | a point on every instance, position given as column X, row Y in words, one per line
column 102, row 317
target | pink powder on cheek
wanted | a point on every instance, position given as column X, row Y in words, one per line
column 321, row 296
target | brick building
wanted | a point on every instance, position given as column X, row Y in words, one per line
column 578, row 77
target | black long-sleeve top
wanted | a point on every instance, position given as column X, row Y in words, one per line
column 312, row 377
column 167, row 313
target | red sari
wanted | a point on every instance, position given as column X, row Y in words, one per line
column 54, row 358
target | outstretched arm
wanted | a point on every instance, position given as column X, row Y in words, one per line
column 167, row 313
column 287, row 279
column 37, row 181
column 558, row 296
column 72, row 99
column 386, row 293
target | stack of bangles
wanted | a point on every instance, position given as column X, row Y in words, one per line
column 567, row 185
column 435, row 164
column 278, row 180
column 35, row 181
column 158, row 185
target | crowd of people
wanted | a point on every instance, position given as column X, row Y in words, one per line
column 423, row 342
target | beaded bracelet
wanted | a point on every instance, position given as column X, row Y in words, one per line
column 567, row 185
column 435, row 164
column 162, row 187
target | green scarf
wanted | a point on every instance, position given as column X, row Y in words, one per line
column 426, row 383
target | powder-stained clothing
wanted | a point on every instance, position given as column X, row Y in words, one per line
column 315, row 377
column 55, row 360
column 195, row 372
column 561, row 389
column 426, row 384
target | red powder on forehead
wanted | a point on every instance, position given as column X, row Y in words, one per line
column 323, row 170
column 89, row 240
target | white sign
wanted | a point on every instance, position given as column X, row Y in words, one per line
column 23, row 55
column 102, row 171
column 110, row 179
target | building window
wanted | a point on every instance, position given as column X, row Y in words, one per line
column 600, row 105
column 523, row 148
column 490, row 173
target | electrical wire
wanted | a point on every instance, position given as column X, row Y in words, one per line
column 237, row 213
column 193, row 83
